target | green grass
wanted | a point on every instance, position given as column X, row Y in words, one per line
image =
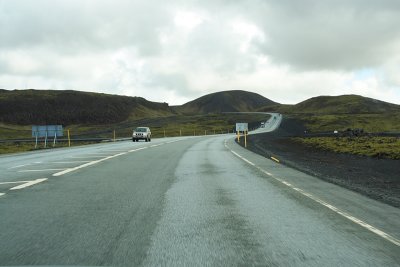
column 368, row 122
column 171, row 126
column 15, row 147
column 381, row 147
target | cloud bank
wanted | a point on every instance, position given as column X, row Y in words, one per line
column 174, row 51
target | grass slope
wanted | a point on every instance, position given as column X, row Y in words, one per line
column 27, row 107
column 379, row 147
column 344, row 104
column 329, row 113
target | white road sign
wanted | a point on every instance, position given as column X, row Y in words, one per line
column 242, row 126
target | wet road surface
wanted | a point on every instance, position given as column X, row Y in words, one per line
column 202, row 201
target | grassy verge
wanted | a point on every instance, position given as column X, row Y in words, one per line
column 368, row 122
column 15, row 147
column 381, row 147
column 160, row 127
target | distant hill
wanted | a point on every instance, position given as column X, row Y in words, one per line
column 226, row 101
column 344, row 104
column 25, row 107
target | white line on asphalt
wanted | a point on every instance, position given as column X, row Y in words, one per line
column 66, row 162
column 65, row 171
column 367, row 226
column 86, row 157
column 17, row 182
column 99, row 154
column 137, row 149
column 19, row 166
column 30, row 183
column 2, row 194
column 41, row 170
column 242, row 158
column 87, row 164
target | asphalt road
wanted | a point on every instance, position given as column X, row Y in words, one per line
column 198, row 201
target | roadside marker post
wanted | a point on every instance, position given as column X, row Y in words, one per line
column 180, row 132
column 114, row 135
column 245, row 139
column 69, row 138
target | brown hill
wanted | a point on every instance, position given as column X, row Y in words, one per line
column 226, row 101
column 344, row 104
column 26, row 107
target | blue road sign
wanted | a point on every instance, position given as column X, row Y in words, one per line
column 47, row 130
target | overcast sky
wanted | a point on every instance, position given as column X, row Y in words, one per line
column 175, row 51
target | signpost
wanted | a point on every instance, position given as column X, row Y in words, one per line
column 45, row 131
column 242, row 127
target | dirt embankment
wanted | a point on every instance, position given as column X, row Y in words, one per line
column 376, row 178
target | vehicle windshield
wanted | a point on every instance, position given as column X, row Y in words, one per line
column 141, row 130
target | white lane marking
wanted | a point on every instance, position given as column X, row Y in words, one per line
column 87, row 164
column 90, row 163
column 137, row 149
column 67, row 162
column 30, row 183
column 86, row 157
column 17, row 182
column 19, row 166
column 242, row 158
column 41, row 170
column 99, row 154
column 348, row 216
column 2, row 194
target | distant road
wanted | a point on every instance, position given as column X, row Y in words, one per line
column 201, row 201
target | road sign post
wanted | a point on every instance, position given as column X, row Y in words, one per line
column 45, row 131
column 242, row 127
column 69, row 138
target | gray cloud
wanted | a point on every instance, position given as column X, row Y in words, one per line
column 135, row 47
column 315, row 34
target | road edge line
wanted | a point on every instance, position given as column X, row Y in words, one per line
column 344, row 214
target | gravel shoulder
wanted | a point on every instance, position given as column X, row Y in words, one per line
column 376, row 178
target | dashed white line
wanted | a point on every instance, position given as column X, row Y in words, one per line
column 86, row 164
column 17, row 182
column 2, row 194
column 242, row 158
column 19, row 166
column 68, row 162
column 86, row 157
column 365, row 225
column 90, row 163
column 41, row 170
column 30, row 183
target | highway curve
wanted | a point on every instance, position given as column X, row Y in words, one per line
column 201, row 201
